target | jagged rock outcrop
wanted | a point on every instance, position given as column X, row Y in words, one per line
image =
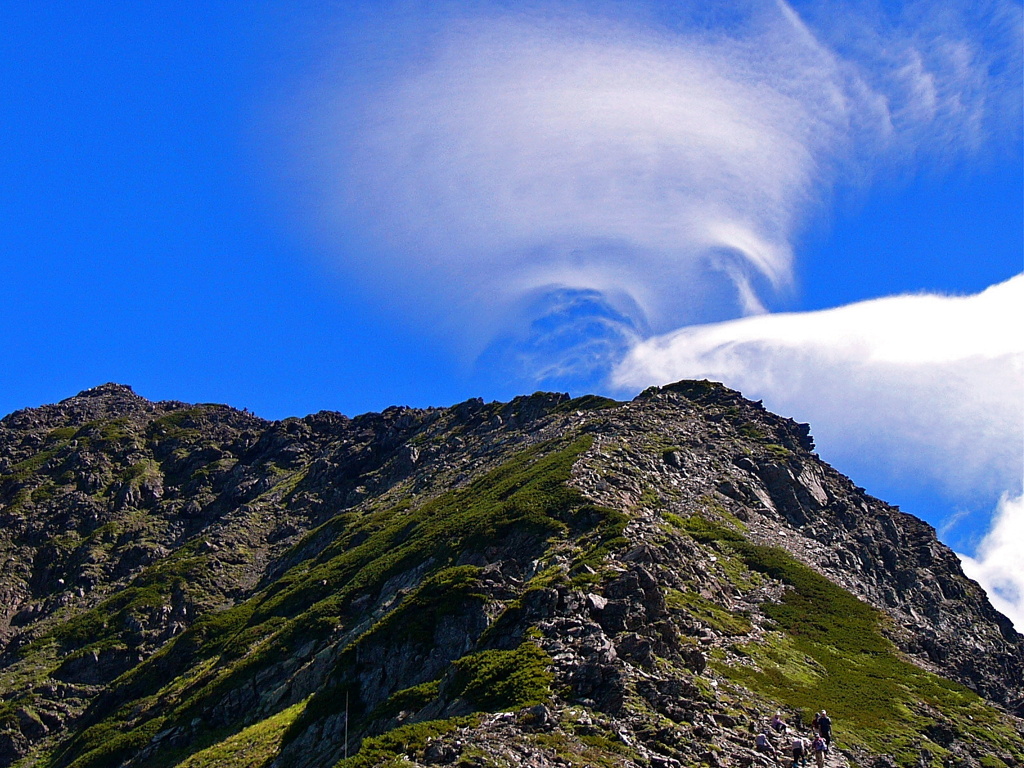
column 541, row 582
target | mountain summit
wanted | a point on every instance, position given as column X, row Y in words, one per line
column 544, row 582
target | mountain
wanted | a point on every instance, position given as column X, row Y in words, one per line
column 544, row 582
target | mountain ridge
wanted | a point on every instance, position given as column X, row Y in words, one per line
column 161, row 558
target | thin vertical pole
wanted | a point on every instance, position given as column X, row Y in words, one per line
column 346, row 725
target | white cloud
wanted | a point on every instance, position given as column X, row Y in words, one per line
column 999, row 562
column 926, row 389
column 526, row 155
column 667, row 166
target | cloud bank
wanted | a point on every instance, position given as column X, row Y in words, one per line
column 484, row 159
column 997, row 566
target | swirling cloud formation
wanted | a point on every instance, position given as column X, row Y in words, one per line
column 489, row 162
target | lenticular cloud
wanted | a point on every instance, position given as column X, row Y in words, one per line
column 927, row 388
column 526, row 155
column 489, row 157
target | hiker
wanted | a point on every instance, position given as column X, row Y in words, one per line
column 814, row 723
column 825, row 727
column 778, row 724
column 820, row 748
column 763, row 745
column 799, row 751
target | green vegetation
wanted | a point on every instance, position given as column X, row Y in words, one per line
column 365, row 599
column 104, row 624
column 44, row 492
column 525, row 503
column 498, row 680
column 712, row 614
column 254, row 747
column 105, row 744
column 605, row 537
column 408, row 700
column 447, row 592
column 649, row 498
column 586, row 750
column 144, row 470
column 829, row 652
column 25, row 469
column 389, row 748
column 177, row 424
column 8, row 718
column 752, row 432
column 526, row 496
column 778, row 451
column 60, row 434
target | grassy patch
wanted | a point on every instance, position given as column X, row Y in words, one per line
column 710, row 613
column 254, row 747
column 779, row 659
column 105, row 744
column 185, row 422
column 649, row 498
column 497, row 680
column 445, row 593
column 585, row 750
column 388, row 748
column 408, row 700
column 778, row 451
column 829, row 652
column 44, row 492
column 25, row 469
column 106, row 622
column 752, row 432
column 527, row 495
column 606, row 536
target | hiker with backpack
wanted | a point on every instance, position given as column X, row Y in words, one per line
column 825, row 727
column 799, row 751
column 820, row 748
column 764, row 745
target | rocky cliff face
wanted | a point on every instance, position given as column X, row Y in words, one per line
column 541, row 582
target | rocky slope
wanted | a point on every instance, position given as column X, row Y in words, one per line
column 545, row 582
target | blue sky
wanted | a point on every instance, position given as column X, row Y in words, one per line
column 291, row 207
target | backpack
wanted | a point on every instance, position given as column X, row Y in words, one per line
column 819, row 745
